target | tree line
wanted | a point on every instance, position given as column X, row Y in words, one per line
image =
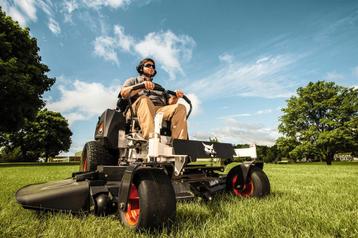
column 27, row 129
column 319, row 122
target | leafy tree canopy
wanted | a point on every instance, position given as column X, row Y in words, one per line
column 23, row 77
column 47, row 135
column 320, row 121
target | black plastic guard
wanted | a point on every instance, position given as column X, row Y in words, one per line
column 126, row 185
column 108, row 125
column 203, row 149
column 65, row 195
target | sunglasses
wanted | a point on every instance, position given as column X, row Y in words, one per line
column 149, row 66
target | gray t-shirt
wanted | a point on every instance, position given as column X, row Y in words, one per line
column 158, row 98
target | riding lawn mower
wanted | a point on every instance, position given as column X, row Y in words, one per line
column 142, row 180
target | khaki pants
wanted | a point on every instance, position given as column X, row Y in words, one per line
column 176, row 113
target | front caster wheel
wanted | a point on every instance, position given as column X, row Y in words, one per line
column 102, row 205
column 151, row 202
column 258, row 184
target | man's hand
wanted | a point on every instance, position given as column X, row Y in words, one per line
column 179, row 93
column 149, row 85
column 125, row 91
column 174, row 99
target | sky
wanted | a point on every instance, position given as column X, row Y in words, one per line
column 238, row 61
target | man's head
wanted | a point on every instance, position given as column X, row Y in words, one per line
column 147, row 67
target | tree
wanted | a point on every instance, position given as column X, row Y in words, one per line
column 46, row 136
column 266, row 153
column 272, row 154
column 213, row 139
column 320, row 121
column 285, row 145
column 261, row 151
column 23, row 77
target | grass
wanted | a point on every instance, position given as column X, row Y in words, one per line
column 307, row 200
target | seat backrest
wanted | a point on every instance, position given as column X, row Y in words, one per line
column 122, row 104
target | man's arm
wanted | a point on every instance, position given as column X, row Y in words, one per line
column 174, row 99
column 125, row 90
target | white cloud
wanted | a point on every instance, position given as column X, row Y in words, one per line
column 257, row 113
column 75, row 116
column 333, row 76
column 105, row 3
column 46, row 6
column 82, row 100
column 105, row 47
column 16, row 15
column 355, row 72
column 265, row 111
column 240, row 115
column 265, row 78
column 25, row 11
column 167, row 48
column 263, row 60
column 195, row 102
column 76, row 146
column 70, row 5
column 12, row 10
column 226, row 58
column 27, row 7
column 240, row 133
column 124, row 41
column 68, row 8
column 54, row 26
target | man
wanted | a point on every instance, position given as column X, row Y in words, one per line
column 150, row 102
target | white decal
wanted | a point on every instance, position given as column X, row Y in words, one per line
column 209, row 149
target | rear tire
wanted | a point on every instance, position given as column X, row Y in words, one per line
column 257, row 186
column 151, row 202
column 94, row 154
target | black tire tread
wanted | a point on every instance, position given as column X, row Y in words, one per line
column 261, row 182
column 257, row 175
column 157, row 200
column 96, row 154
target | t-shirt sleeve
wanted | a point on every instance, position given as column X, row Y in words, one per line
column 129, row 82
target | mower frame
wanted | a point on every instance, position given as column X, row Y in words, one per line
column 142, row 179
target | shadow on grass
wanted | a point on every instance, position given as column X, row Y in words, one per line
column 22, row 164
column 199, row 210
column 276, row 194
column 190, row 215
column 49, row 214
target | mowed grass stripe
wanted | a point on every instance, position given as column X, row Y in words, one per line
column 307, row 200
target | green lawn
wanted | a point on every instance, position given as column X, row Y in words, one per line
column 307, row 200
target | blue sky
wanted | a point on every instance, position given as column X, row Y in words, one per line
column 238, row 61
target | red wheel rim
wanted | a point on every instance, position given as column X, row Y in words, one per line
column 133, row 210
column 246, row 191
column 84, row 168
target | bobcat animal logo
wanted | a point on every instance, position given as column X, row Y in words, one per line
column 209, row 149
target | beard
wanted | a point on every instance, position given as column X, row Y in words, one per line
column 148, row 75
